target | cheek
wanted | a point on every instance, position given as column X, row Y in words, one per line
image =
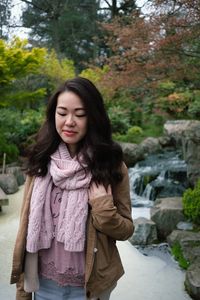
column 58, row 124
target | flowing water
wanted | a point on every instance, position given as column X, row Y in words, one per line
column 158, row 176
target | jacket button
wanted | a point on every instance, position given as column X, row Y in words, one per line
column 95, row 250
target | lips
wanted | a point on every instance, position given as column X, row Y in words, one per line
column 69, row 133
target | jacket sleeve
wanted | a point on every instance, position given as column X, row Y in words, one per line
column 20, row 293
column 111, row 214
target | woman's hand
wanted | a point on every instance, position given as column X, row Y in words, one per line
column 99, row 190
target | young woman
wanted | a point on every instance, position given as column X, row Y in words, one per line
column 76, row 202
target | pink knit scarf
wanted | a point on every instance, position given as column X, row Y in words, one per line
column 68, row 174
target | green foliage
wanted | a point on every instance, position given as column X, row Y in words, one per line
column 119, row 119
column 17, row 60
column 191, row 203
column 11, row 150
column 27, row 75
column 194, row 106
column 67, row 26
column 166, row 87
column 96, row 74
column 178, row 254
column 23, row 99
column 55, row 70
column 16, row 128
column 133, row 135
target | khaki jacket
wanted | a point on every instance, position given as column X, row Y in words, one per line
column 109, row 219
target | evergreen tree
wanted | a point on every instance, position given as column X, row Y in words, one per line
column 5, row 12
column 67, row 26
column 116, row 8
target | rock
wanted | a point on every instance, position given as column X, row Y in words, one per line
column 145, row 232
column 8, row 183
column 186, row 134
column 184, row 226
column 151, row 145
column 17, row 172
column 191, row 151
column 189, row 242
column 165, row 141
column 192, row 280
column 167, row 214
column 132, row 153
column 3, row 199
column 175, row 129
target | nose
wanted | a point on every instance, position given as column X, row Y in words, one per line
column 70, row 120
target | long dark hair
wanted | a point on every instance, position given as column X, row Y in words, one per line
column 102, row 155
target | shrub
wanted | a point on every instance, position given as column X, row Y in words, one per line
column 191, row 203
column 133, row 135
column 10, row 150
column 15, row 129
column 119, row 119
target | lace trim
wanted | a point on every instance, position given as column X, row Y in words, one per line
column 49, row 271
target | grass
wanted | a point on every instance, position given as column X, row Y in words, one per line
column 178, row 254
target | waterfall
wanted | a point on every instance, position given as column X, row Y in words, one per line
column 158, row 176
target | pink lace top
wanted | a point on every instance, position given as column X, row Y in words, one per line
column 65, row 268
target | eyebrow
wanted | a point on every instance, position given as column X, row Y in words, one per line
column 78, row 108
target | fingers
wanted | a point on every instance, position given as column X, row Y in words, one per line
column 98, row 190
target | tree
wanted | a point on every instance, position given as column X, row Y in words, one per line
column 5, row 12
column 152, row 50
column 28, row 75
column 67, row 26
column 116, row 8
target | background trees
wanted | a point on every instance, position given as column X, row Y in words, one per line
column 69, row 27
column 145, row 61
column 5, row 12
column 157, row 58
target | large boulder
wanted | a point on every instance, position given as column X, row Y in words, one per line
column 186, row 134
column 17, row 172
column 145, row 232
column 192, row 280
column 8, row 183
column 176, row 128
column 167, row 213
column 151, row 145
column 189, row 242
column 132, row 153
column 191, row 151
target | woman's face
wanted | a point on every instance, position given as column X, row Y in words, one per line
column 70, row 119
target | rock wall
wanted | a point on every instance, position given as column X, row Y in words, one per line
column 186, row 134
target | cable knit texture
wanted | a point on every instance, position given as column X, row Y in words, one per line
column 68, row 174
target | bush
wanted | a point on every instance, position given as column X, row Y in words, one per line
column 15, row 129
column 119, row 119
column 10, row 150
column 191, row 203
column 133, row 135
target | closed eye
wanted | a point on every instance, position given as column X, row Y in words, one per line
column 80, row 116
column 61, row 114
